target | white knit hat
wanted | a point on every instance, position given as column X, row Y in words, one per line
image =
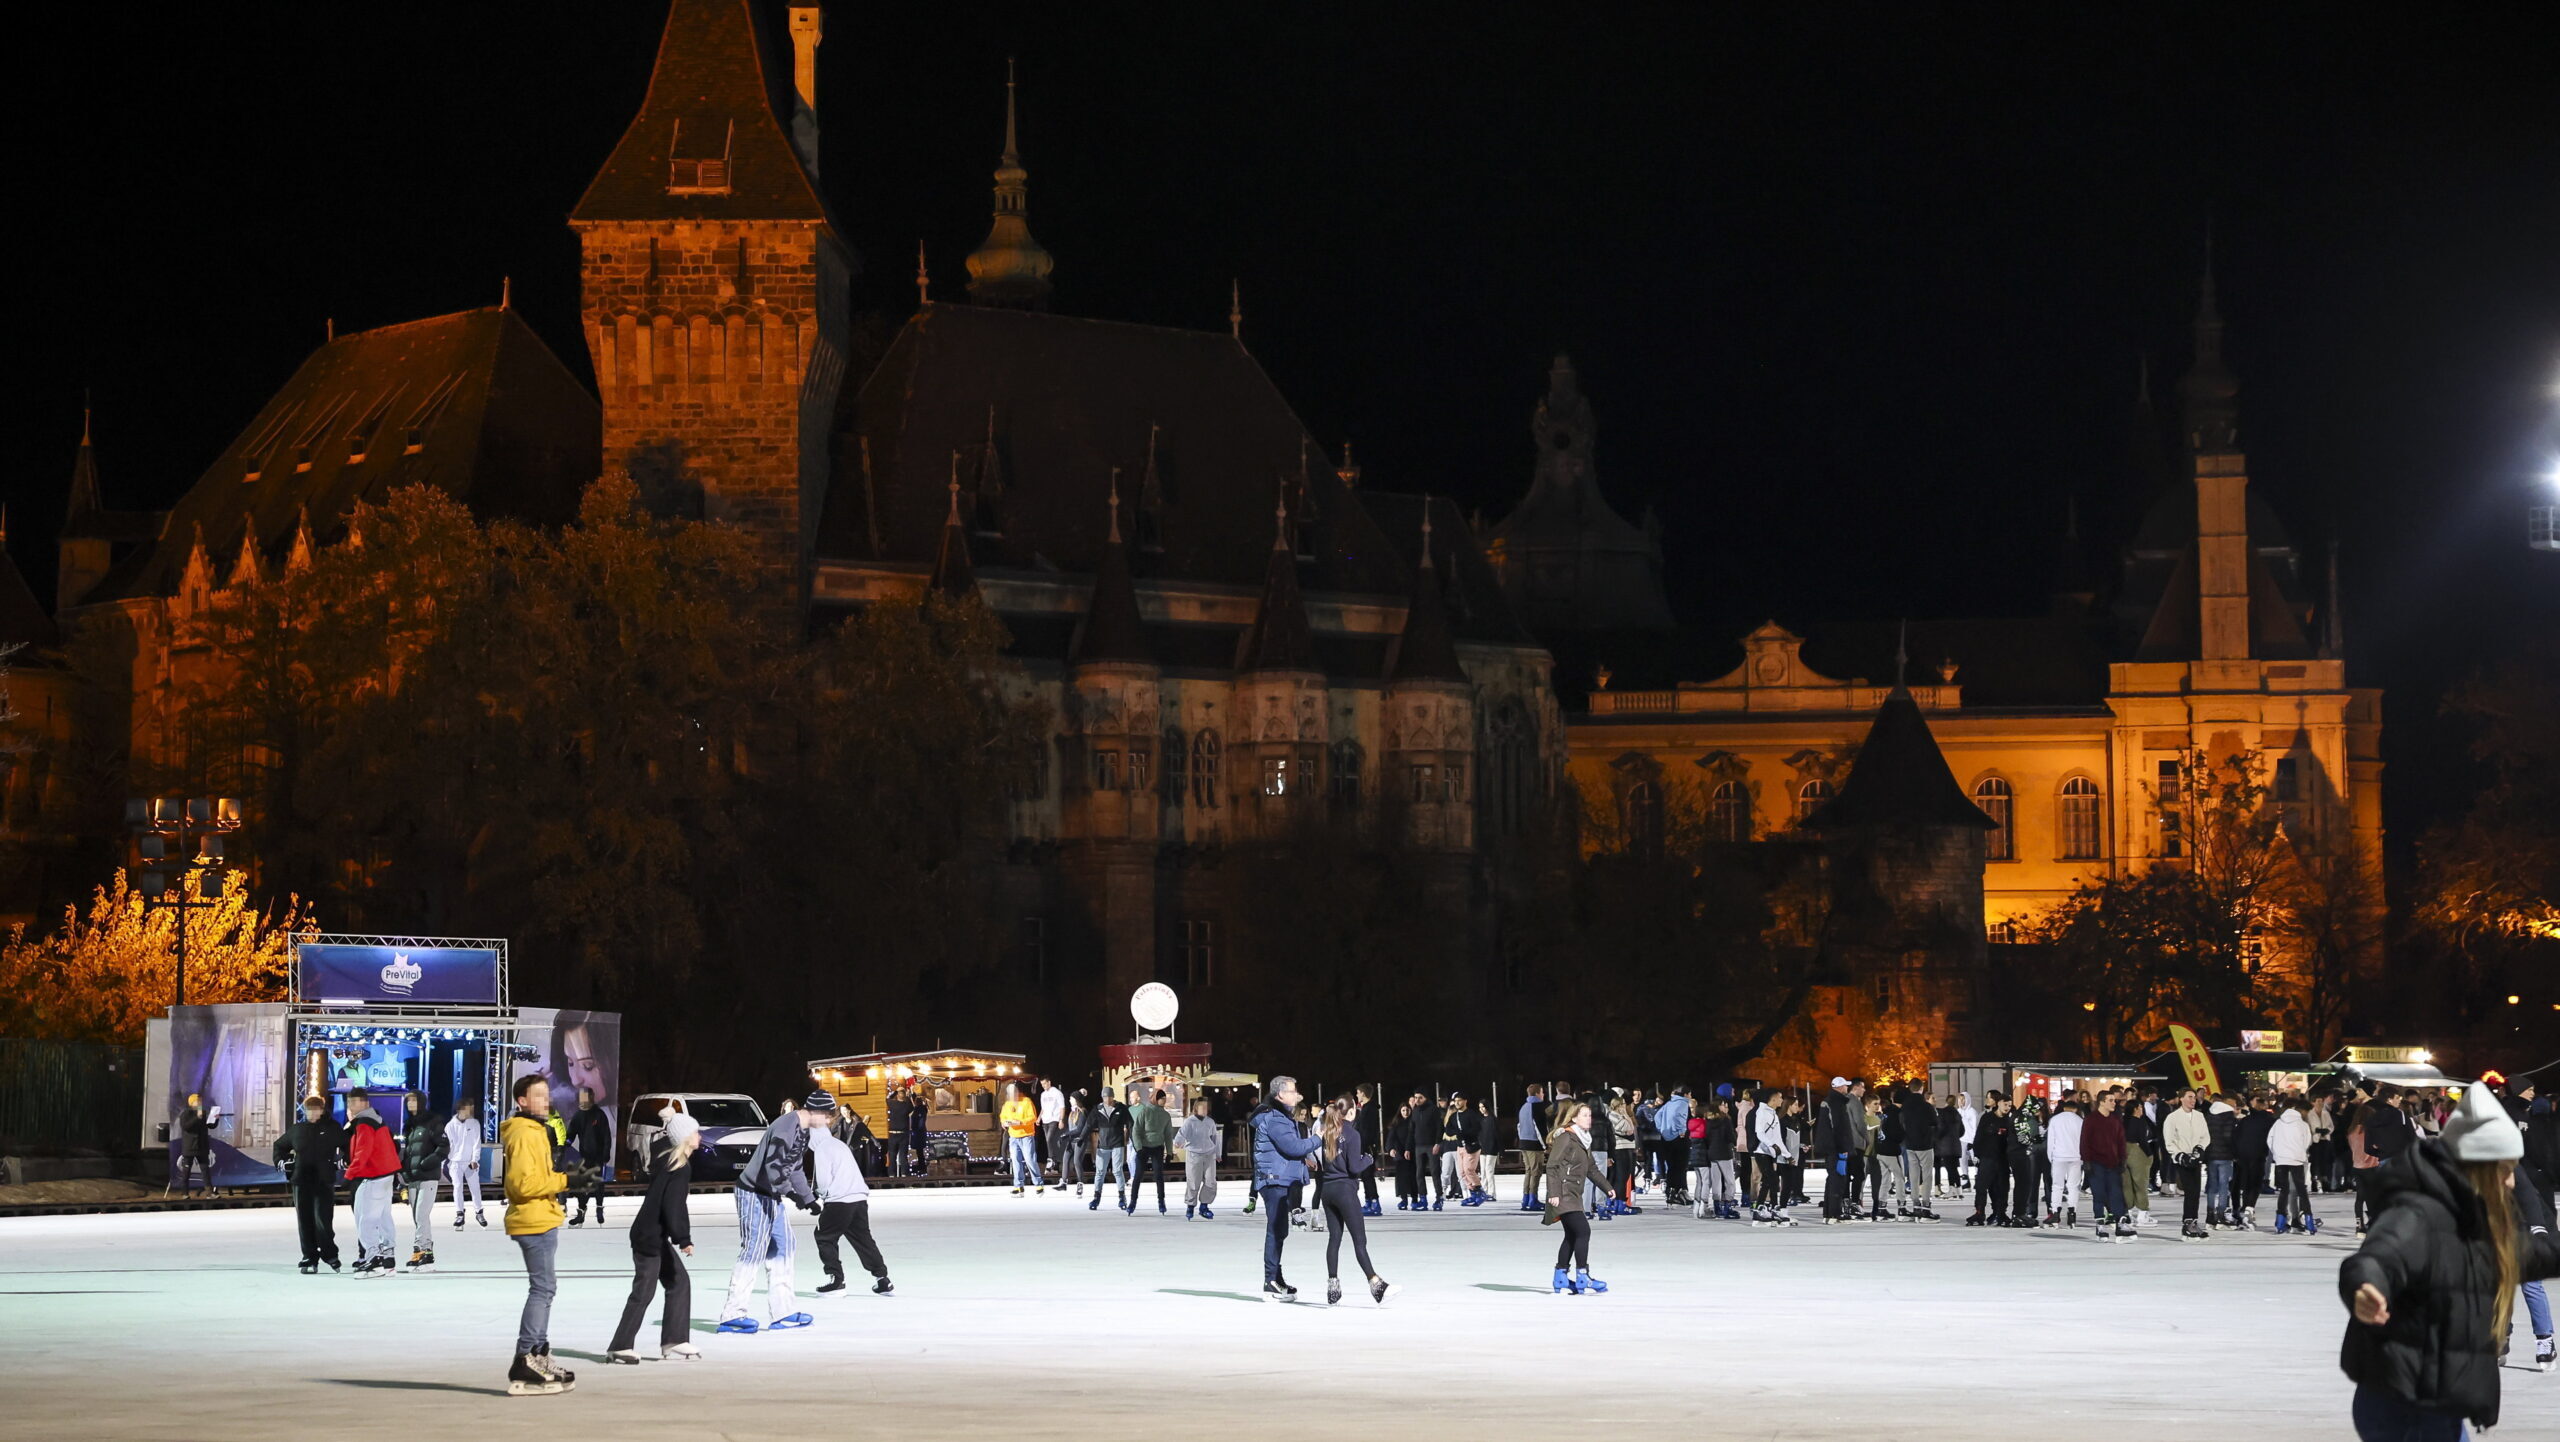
column 681, row 1125
column 2480, row 1129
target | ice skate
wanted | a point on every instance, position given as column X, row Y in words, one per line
column 479, row 1216
column 2546, row 1353
column 789, row 1323
column 457, row 1220
column 2311, row 1224
column 1585, row 1282
column 1564, row 1282
column 623, row 1358
column 578, row 1218
column 1190, row 1212
column 308, row 1268
column 1380, row 1289
column 831, row 1286
column 2282, row 1224
column 680, row 1352
column 743, row 1326
column 423, row 1262
column 883, row 1287
column 526, row 1379
column 1207, row 1215
column 2124, row 1231
column 1276, row 1292
column 1332, row 1291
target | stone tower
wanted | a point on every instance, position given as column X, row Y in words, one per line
column 1429, row 727
column 1009, row 267
column 714, row 287
column 1110, row 821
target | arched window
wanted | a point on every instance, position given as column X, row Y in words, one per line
column 1175, row 776
column 1204, row 769
column 1644, row 819
column 1344, row 784
column 1809, row 798
column 1729, row 812
column 1992, row 795
column 2079, row 819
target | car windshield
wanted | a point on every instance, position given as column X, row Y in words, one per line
column 724, row 1112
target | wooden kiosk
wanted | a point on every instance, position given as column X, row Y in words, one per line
column 962, row 1091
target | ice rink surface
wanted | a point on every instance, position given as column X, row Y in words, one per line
column 1036, row 1318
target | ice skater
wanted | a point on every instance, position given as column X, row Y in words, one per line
column 1021, row 1140
column 1280, row 1151
column 373, row 1164
column 533, row 1186
column 661, row 1238
column 1199, row 1140
column 310, row 1152
column 844, row 1212
column 462, row 1159
column 1338, row 1194
column 1150, row 1133
column 1569, row 1177
column 591, row 1137
column 774, row 1174
column 1110, row 1150
column 423, row 1150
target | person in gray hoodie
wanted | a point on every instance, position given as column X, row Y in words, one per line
column 1198, row 1139
column 844, row 1212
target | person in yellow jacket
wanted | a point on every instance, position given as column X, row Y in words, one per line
column 1021, row 1127
column 533, row 1185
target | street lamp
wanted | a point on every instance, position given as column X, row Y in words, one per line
column 165, row 830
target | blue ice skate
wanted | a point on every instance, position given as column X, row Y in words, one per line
column 739, row 1324
column 796, row 1319
column 1585, row 1282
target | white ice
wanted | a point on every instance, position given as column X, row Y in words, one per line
column 1036, row 1318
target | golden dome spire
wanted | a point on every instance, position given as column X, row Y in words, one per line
column 1010, row 268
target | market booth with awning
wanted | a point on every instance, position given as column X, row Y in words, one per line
column 961, row 1090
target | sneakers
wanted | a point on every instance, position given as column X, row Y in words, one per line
column 680, row 1352
column 1380, row 1289
column 883, row 1287
column 531, row 1377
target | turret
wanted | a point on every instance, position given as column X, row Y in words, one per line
column 1009, row 267
column 1114, row 698
column 1429, row 724
column 1278, row 727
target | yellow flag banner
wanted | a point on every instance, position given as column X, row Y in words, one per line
column 2193, row 1056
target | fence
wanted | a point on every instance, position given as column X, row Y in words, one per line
column 68, row 1096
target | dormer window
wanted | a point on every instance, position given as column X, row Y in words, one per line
column 698, row 175
column 360, row 441
column 431, row 409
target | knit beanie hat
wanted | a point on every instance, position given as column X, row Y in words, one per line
column 819, row 1102
column 2480, row 1129
column 680, row 1125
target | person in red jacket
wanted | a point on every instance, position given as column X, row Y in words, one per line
column 373, row 1165
column 2102, row 1157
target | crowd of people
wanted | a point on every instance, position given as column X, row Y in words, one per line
column 2452, row 1189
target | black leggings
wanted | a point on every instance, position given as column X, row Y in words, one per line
column 1341, row 1202
column 1573, row 1249
column 1767, row 1185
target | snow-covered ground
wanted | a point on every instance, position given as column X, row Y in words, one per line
column 1037, row 1318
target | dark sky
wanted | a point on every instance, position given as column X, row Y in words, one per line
column 1858, row 297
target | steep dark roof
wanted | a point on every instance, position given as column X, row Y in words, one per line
column 1113, row 630
column 2000, row 661
column 1073, row 399
column 952, row 573
column 2174, row 630
column 86, row 517
column 1425, row 652
column 1900, row 777
column 1279, row 638
column 23, row 621
column 707, row 95
column 473, row 403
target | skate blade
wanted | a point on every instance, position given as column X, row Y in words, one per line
column 536, row 1389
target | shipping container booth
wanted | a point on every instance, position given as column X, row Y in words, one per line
column 961, row 1091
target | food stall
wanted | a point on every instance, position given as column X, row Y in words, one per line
column 961, row 1090
column 391, row 1014
column 2046, row 1079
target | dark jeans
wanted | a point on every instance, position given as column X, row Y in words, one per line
column 852, row 1222
column 649, row 1272
column 2293, row 1191
column 2191, row 1186
column 1275, row 1202
column 1573, row 1249
column 2106, row 1192
column 313, row 1203
column 1991, row 1189
column 1341, row 1202
column 1148, row 1159
column 2381, row 1417
column 595, row 1189
column 1836, row 1187
column 2249, row 1182
column 2024, row 1193
column 1069, row 1157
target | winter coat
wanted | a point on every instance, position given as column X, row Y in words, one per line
column 1569, row 1169
column 1020, row 1118
column 1833, row 1132
column 1993, row 1137
column 2542, row 1140
column 2289, row 1140
column 1422, row 1130
column 1348, row 1161
column 2185, row 1136
column 1951, row 1134
column 2140, row 1131
column 1768, row 1132
column 1149, row 1126
column 1717, row 1143
column 1457, row 1130
column 591, row 1136
column 1604, row 1135
column 664, row 1220
column 1919, row 1125
column 2429, row 1254
column 776, row 1168
column 2062, row 1136
column 1197, row 1137
column 533, row 1183
column 371, row 1150
column 1280, row 1149
column 1493, row 1134
column 1622, row 1130
column 1111, row 1126
column 423, row 1147
column 2252, row 1138
column 1888, row 1132
column 1372, row 1126
column 2102, row 1141
column 2386, row 1128
column 310, row 1152
column 2224, row 1125
column 195, row 1133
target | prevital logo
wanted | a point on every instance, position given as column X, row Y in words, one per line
column 403, row 975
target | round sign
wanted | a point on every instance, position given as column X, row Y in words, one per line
column 1154, row 1006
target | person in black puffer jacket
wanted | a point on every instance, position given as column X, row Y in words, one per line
column 591, row 1137
column 423, row 1150
column 2432, row 1287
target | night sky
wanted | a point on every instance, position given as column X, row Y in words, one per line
column 1859, row 300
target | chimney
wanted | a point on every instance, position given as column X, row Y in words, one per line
column 805, row 35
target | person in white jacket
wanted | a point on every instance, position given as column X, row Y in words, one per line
column 2289, row 1149
column 1199, row 1141
column 462, row 1143
column 2184, row 1138
column 1769, row 1165
column 1971, row 1116
column 2062, row 1149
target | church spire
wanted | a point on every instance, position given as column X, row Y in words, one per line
column 1010, row 268
column 1280, row 638
column 1113, row 630
column 952, row 574
column 2209, row 391
column 1426, row 652
column 84, row 473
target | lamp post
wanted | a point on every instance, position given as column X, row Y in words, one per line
column 167, row 829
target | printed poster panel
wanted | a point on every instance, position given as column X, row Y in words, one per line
column 399, row 975
column 573, row 1050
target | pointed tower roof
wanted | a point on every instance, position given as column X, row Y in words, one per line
column 84, row 472
column 1010, row 268
column 1280, row 639
column 706, row 144
column 86, row 517
column 952, row 574
column 1426, row 652
column 1900, row 777
column 1113, row 629
column 2209, row 393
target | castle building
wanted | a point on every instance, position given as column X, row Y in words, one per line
column 1232, row 634
column 2069, row 732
